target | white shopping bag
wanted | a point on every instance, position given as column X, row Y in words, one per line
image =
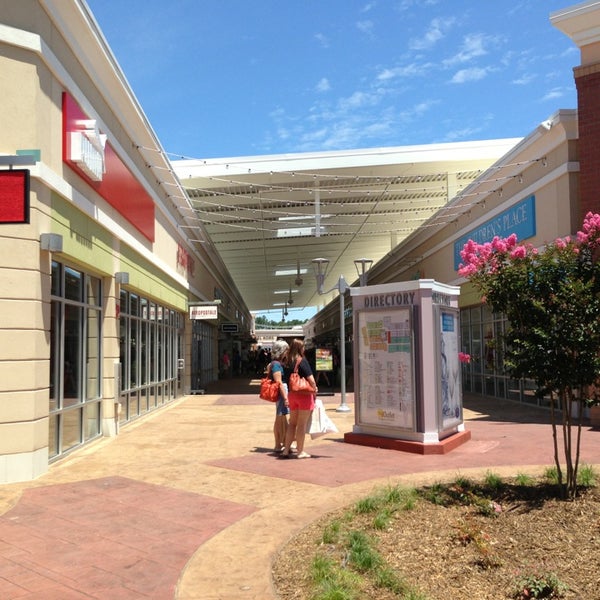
column 319, row 423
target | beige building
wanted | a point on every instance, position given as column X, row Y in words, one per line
column 98, row 276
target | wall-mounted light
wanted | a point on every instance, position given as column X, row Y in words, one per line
column 122, row 277
column 52, row 242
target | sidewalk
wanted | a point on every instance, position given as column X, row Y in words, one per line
column 190, row 503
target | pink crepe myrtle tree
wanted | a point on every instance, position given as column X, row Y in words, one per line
column 551, row 298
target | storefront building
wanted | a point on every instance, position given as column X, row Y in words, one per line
column 98, row 276
column 540, row 190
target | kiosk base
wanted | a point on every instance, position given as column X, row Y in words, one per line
column 377, row 441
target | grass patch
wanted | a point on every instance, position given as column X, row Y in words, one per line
column 359, row 565
column 349, row 565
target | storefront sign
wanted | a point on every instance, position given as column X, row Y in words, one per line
column 518, row 219
column 185, row 260
column 229, row 327
column 86, row 149
column 14, row 196
column 204, row 312
column 93, row 158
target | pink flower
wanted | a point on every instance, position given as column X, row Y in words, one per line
column 590, row 233
column 499, row 244
column 511, row 240
column 560, row 243
column 582, row 238
column 518, row 252
column 467, row 270
column 463, row 357
column 497, row 508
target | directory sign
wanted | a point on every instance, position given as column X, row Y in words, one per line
column 386, row 368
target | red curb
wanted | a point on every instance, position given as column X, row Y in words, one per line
column 442, row 447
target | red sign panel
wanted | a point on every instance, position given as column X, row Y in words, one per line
column 112, row 180
column 14, row 196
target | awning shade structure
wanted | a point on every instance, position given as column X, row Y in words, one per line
column 270, row 216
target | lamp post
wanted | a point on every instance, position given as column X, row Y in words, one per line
column 320, row 266
column 362, row 268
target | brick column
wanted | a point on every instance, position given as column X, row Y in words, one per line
column 587, row 80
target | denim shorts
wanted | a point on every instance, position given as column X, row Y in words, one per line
column 282, row 409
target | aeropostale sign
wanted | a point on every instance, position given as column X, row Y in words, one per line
column 209, row 311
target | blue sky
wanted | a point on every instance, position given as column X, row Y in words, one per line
column 222, row 78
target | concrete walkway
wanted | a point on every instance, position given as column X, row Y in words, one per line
column 190, row 503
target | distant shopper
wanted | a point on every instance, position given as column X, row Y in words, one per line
column 237, row 362
column 282, row 409
column 301, row 403
column 225, row 364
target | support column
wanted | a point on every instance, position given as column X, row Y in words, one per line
column 581, row 23
column 587, row 80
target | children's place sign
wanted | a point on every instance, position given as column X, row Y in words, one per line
column 407, row 372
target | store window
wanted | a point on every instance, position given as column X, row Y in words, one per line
column 75, row 359
column 150, row 342
column 481, row 338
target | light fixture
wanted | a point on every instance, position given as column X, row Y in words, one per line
column 122, row 277
column 290, row 299
column 320, row 265
column 363, row 266
column 298, row 280
column 52, row 242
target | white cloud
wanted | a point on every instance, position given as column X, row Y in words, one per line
column 407, row 4
column 525, row 79
column 411, row 70
column 417, row 110
column 423, row 107
column 466, row 133
column 277, row 113
column 283, row 133
column 553, row 94
column 472, row 74
column 473, row 46
column 323, row 85
column 365, row 26
column 322, row 39
column 358, row 100
column 437, row 30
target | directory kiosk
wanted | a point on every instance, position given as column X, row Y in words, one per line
column 407, row 385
